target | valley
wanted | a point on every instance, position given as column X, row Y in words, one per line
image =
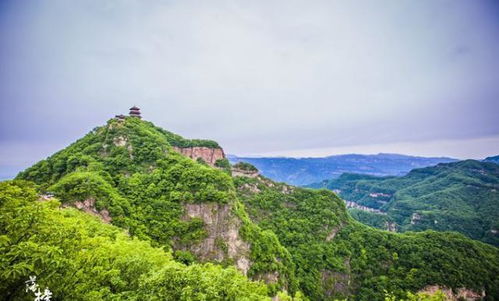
column 460, row 196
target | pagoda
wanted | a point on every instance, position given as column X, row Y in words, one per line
column 135, row 112
column 120, row 117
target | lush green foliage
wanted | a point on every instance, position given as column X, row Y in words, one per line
column 224, row 165
column 461, row 196
column 372, row 219
column 129, row 168
column 80, row 258
column 267, row 255
column 301, row 239
column 245, row 166
column 336, row 256
column 118, row 149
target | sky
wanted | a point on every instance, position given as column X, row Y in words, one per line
column 279, row 78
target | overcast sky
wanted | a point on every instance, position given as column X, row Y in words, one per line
column 305, row 78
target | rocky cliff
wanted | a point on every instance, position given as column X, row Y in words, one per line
column 208, row 154
column 222, row 241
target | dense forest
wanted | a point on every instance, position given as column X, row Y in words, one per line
column 337, row 256
column 78, row 257
column 460, row 196
column 160, row 226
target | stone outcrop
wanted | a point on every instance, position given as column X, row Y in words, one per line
column 252, row 187
column 332, row 233
column 450, row 295
column 120, row 141
column 208, row 154
column 270, row 277
column 415, row 218
column 88, row 206
column 223, row 240
column 244, row 173
column 335, row 283
column 391, row 226
column 351, row 204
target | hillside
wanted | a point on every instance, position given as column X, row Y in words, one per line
column 132, row 174
column 80, row 258
column 302, row 171
column 493, row 159
column 461, row 196
column 337, row 256
column 166, row 218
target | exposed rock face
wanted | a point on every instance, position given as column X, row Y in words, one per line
column 415, row 218
column 287, row 189
column 391, row 226
column 270, row 277
column 88, row 206
column 461, row 294
column 208, row 154
column 223, row 240
column 332, row 234
column 250, row 187
column 244, row 173
column 120, row 141
column 335, row 283
column 351, row 204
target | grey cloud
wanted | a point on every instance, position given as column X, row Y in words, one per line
column 258, row 76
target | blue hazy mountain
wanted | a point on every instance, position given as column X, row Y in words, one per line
column 302, row 171
column 494, row 159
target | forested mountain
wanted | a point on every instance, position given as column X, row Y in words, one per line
column 494, row 159
column 461, row 196
column 78, row 257
column 302, row 171
column 166, row 218
column 129, row 174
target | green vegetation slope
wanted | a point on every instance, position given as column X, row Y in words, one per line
column 79, row 258
column 128, row 170
column 171, row 208
column 461, row 196
column 337, row 256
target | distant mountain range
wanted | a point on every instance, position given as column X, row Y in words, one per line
column 302, row 171
column 461, row 196
column 494, row 159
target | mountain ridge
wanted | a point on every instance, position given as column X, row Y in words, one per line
column 460, row 196
column 303, row 171
column 134, row 171
column 296, row 242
